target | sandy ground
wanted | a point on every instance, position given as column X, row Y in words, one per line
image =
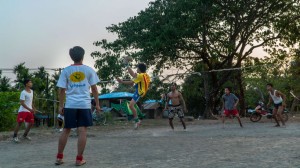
column 154, row 145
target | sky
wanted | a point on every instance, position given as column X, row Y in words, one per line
column 41, row 32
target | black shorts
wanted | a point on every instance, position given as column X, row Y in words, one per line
column 277, row 105
column 77, row 118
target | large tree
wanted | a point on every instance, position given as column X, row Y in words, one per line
column 184, row 33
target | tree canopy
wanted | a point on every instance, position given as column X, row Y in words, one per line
column 217, row 34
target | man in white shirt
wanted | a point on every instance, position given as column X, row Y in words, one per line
column 26, row 111
column 278, row 99
column 75, row 82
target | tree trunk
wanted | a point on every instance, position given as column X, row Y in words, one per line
column 207, row 111
column 242, row 94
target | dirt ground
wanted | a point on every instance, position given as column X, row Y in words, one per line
column 204, row 145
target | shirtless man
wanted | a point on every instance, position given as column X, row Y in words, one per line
column 278, row 99
column 177, row 106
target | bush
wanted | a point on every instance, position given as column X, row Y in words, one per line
column 9, row 104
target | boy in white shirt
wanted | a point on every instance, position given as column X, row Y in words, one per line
column 75, row 82
column 26, row 111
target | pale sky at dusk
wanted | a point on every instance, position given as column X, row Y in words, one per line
column 41, row 32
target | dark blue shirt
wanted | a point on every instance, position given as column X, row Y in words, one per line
column 229, row 101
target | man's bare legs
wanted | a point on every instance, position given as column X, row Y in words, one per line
column 223, row 121
column 137, row 121
column 239, row 119
column 17, row 129
column 171, row 123
column 28, row 127
column 279, row 115
column 275, row 117
column 131, row 106
column 183, row 123
column 63, row 140
column 82, row 137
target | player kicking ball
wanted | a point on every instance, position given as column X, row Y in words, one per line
column 141, row 82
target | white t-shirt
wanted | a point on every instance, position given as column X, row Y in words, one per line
column 77, row 79
column 27, row 97
column 276, row 100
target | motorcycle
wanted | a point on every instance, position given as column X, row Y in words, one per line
column 260, row 111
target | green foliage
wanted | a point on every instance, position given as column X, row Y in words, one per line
column 104, row 90
column 156, row 89
column 183, row 33
column 22, row 73
column 40, row 80
column 193, row 94
column 9, row 103
column 4, row 83
column 294, row 70
column 280, row 69
column 213, row 31
column 124, row 88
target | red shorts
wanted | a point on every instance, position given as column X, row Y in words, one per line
column 25, row 117
column 231, row 112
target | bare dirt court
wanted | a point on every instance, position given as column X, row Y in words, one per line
column 154, row 145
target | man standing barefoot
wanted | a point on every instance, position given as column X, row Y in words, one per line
column 75, row 82
column 177, row 106
column 230, row 102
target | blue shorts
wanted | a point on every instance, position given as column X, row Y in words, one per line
column 78, row 118
column 136, row 96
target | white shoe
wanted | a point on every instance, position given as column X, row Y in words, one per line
column 60, row 130
column 137, row 124
column 16, row 140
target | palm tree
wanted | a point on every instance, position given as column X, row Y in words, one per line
column 22, row 73
column 5, row 84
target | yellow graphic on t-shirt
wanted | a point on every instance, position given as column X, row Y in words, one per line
column 77, row 77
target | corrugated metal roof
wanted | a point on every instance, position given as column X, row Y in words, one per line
column 116, row 95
